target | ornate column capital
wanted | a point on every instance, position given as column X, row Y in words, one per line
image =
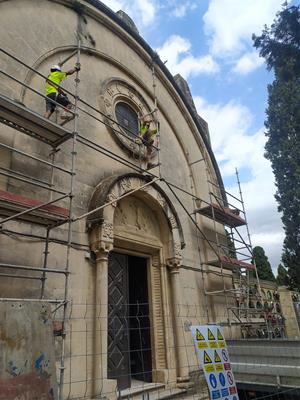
column 102, row 250
column 102, row 240
column 174, row 264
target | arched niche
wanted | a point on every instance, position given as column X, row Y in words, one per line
column 109, row 193
column 133, row 214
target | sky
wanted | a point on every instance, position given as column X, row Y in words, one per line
column 209, row 43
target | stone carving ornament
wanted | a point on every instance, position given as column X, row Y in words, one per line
column 114, row 91
column 107, row 230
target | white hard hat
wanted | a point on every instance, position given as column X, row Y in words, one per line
column 55, row 67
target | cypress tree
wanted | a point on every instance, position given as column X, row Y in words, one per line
column 280, row 46
column 264, row 269
column 282, row 276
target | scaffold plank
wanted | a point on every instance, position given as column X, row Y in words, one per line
column 224, row 215
column 230, row 263
column 23, row 119
column 12, row 203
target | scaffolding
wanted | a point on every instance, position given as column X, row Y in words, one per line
column 49, row 216
column 232, row 256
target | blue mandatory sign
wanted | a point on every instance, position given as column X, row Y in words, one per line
column 225, row 392
column 222, row 379
column 216, row 394
column 213, row 381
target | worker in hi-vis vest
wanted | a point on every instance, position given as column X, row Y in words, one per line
column 148, row 132
column 54, row 92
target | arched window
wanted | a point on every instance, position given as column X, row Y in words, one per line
column 127, row 118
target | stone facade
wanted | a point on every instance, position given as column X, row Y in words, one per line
column 142, row 217
column 290, row 302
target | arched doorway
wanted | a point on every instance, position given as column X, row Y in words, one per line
column 137, row 240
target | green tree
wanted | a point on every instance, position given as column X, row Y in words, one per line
column 282, row 278
column 280, row 46
column 263, row 266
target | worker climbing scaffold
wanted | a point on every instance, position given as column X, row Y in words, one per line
column 55, row 94
column 148, row 131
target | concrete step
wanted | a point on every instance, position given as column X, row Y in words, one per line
column 167, row 394
column 137, row 390
column 152, row 391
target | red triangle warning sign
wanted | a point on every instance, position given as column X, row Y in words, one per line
column 217, row 357
column 210, row 335
column 207, row 359
column 199, row 335
column 219, row 335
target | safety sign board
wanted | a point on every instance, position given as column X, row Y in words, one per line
column 212, row 351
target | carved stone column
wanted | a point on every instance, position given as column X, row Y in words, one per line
column 102, row 244
column 180, row 345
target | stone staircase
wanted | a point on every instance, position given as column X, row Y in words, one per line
column 151, row 391
column 195, row 389
column 158, row 391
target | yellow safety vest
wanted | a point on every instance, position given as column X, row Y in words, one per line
column 55, row 77
column 144, row 129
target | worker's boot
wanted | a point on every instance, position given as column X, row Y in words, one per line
column 66, row 117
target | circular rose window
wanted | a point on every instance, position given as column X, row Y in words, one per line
column 122, row 104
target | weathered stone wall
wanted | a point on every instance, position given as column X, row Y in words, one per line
column 42, row 33
column 27, row 352
column 288, row 311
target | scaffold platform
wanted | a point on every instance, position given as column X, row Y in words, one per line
column 230, row 263
column 23, row 119
column 12, row 203
column 224, row 215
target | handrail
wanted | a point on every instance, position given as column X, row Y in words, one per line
column 73, row 95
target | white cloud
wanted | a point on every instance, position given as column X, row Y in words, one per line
column 248, row 63
column 176, row 50
column 229, row 24
column 235, row 145
column 182, row 9
column 229, row 125
column 143, row 12
column 173, row 47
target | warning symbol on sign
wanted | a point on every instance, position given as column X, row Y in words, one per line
column 224, row 355
column 199, row 335
column 219, row 335
column 207, row 359
column 217, row 357
column 230, row 377
column 210, row 335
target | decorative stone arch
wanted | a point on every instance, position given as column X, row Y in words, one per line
column 114, row 187
column 164, row 271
